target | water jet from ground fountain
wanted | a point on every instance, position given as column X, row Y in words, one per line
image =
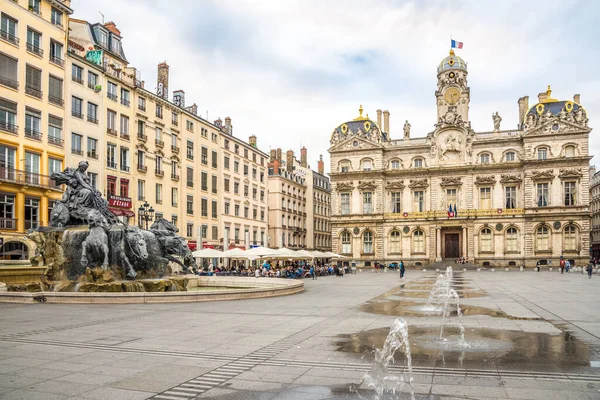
column 379, row 378
column 441, row 294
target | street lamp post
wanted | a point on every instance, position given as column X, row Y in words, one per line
column 145, row 215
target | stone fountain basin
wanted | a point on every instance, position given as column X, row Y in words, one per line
column 226, row 288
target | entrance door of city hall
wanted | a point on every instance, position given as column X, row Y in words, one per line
column 451, row 245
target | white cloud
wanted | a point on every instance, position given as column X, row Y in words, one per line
column 291, row 71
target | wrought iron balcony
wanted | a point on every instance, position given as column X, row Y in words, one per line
column 35, row 50
column 9, row 224
column 33, row 134
column 9, row 82
column 92, row 154
column 57, row 60
column 111, row 131
column 4, row 35
column 27, row 178
column 33, row 92
column 56, row 100
column 77, row 79
column 112, row 96
column 8, row 127
column 56, row 141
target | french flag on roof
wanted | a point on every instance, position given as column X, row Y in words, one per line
column 455, row 44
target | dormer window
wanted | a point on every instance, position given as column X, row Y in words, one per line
column 510, row 156
column 345, row 166
column 102, row 38
column 569, row 151
column 484, row 158
column 367, row 165
column 115, row 45
column 418, row 163
column 542, row 153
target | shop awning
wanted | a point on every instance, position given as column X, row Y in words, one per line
column 121, row 212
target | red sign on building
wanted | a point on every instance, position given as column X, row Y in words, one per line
column 118, row 201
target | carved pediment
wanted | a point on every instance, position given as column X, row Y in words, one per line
column 451, row 181
column 395, row 185
column 159, row 152
column 504, row 179
column 418, row 184
column 344, row 186
column 175, row 158
column 485, row 180
column 542, row 175
column 547, row 123
column 141, row 146
column 570, row 173
column 367, row 185
column 355, row 142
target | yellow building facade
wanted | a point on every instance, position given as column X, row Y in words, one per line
column 33, row 42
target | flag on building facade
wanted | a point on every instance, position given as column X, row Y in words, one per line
column 450, row 212
column 455, row 44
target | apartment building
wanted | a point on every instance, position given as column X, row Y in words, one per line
column 33, row 39
column 244, row 181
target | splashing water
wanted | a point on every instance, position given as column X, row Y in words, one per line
column 379, row 378
column 442, row 294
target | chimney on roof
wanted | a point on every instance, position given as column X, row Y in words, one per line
column 193, row 109
column 179, row 98
column 523, row 108
column 252, row 140
column 111, row 26
column 219, row 123
column 272, row 155
column 304, row 157
column 379, row 118
column 577, row 98
column 386, row 122
column 321, row 165
column 278, row 154
column 162, row 83
column 289, row 161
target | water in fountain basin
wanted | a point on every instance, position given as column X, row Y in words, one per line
column 379, row 378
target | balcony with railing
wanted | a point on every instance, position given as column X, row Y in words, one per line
column 56, row 60
column 174, row 122
column 32, row 48
column 77, row 114
column 159, row 143
column 9, row 82
column 125, row 136
column 159, row 172
column 141, row 107
column 92, row 154
column 112, row 96
column 175, row 149
column 111, row 164
column 8, row 127
column 92, row 119
column 8, row 37
column 175, row 177
column 125, row 168
column 189, row 184
column 77, row 152
column 9, row 224
column 142, row 137
column 56, row 100
column 111, row 131
column 77, row 79
column 33, row 92
column 33, row 134
column 125, row 102
column 56, row 141
column 142, row 168
column 27, row 178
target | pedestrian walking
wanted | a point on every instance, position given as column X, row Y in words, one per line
column 567, row 265
column 313, row 273
column 402, row 269
column 589, row 270
column 562, row 265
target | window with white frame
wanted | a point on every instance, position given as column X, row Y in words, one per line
column 396, row 202
column 485, row 240
column 367, row 165
column 542, row 153
column 512, row 244
column 367, row 202
column 395, row 164
column 418, row 163
column 510, row 197
column 484, row 158
column 569, row 151
column 543, row 194
column 510, row 156
column 345, row 203
column 570, row 238
column 418, row 242
column 451, row 197
column 570, row 191
column 395, row 240
column 542, row 239
column 418, row 201
column 485, row 198
column 368, row 242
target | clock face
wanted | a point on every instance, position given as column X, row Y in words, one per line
column 452, row 95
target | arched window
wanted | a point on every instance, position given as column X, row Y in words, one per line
column 570, row 151
column 395, row 164
column 14, row 251
column 485, row 240
column 346, row 243
column 570, row 238
column 512, row 244
column 484, row 158
column 418, row 162
column 367, row 164
column 542, row 238
column 418, row 242
column 368, row 242
column 510, row 156
column 542, row 153
column 395, row 242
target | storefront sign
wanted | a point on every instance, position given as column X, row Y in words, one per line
column 118, row 201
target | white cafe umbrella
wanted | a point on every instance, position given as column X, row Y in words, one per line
column 234, row 253
column 207, row 253
column 319, row 254
column 287, row 253
column 334, row 255
column 262, row 252
column 305, row 254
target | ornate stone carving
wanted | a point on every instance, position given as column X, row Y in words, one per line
column 344, row 186
column 406, row 129
column 542, row 175
column 367, row 185
column 451, row 119
column 485, row 180
column 451, row 181
column 453, row 143
column 504, row 179
column 418, row 183
column 497, row 119
column 570, row 173
column 395, row 185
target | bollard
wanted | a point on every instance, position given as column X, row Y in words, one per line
column 464, row 269
column 478, row 269
column 506, row 269
column 521, row 268
column 437, row 270
column 424, row 270
column 385, row 270
column 493, row 270
column 550, row 269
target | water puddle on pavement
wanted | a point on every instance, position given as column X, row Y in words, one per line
column 484, row 348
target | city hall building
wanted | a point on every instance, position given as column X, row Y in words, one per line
column 498, row 198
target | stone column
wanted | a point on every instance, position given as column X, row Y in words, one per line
column 464, row 242
column 438, row 244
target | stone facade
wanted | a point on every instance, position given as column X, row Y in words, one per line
column 502, row 197
column 595, row 213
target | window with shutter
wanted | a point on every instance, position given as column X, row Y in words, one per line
column 8, row 71
column 33, row 81
column 55, row 90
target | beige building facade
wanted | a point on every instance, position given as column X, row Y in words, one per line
column 595, row 214
column 243, row 176
column 499, row 197
column 33, row 43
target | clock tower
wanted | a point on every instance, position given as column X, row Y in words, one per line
column 452, row 94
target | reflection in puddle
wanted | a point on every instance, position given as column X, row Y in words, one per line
column 464, row 294
column 486, row 346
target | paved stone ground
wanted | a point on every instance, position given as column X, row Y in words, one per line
column 289, row 347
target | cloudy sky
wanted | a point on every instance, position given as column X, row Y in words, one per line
column 290, row 71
